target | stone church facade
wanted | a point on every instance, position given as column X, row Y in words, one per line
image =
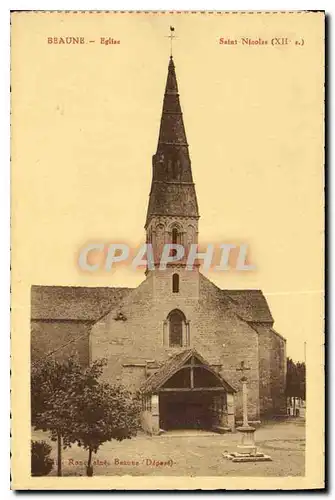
column 177, row 337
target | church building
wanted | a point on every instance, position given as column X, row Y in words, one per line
column 177, row 337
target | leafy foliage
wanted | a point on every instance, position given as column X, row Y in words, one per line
column 76, row 407
column 54, row 386
column 295, row 379
column 103, row 412
column 41, row 463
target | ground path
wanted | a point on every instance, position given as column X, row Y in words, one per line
column 192, row 453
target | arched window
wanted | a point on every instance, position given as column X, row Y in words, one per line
column 175, row 283
column 176, row 322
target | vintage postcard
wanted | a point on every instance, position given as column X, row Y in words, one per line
column 167, row 250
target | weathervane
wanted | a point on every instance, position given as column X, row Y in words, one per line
column 172, row 37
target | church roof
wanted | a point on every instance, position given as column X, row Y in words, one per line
column 172, row 189
column 172, row 365
column 91, row 303
column 73, row 302
column 250, row 305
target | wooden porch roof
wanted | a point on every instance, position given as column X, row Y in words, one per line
column 154, row 383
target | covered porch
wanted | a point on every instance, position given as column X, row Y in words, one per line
column 187, row 393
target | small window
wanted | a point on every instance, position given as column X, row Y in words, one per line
column 175, row 283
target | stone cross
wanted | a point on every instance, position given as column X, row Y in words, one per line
column 244, row 379
column 247, row 449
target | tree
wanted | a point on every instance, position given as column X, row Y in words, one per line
column 55, row 387
column 103, row 412
column 301, row 373
column 41, row 463
column 295, row 380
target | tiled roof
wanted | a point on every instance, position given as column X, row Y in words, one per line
column 171, row 366
column 91, row 303
column 250, row 305
column 73, row 303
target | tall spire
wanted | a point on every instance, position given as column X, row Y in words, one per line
column 172, row 130
column 172, row 189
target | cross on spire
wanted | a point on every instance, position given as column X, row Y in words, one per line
column 243, row 369
column 172, row 37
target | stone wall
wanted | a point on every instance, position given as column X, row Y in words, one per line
column 216, row 332
column 272, row 368
column 265, row 346
column 278, row 373
column 222, row 334
column 134, row 334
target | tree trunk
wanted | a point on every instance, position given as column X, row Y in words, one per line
column 59, row 455
column 89, row 468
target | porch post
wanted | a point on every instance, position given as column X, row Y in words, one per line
column 221, row 410
column 155, row 413
column 231, row 411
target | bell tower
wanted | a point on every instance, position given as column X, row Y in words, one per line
column 172, row 215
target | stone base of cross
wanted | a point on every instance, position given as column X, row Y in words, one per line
column 247, row 449
column 247, row 443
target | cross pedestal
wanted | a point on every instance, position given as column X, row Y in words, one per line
column 247, row 444
column 247, row 449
